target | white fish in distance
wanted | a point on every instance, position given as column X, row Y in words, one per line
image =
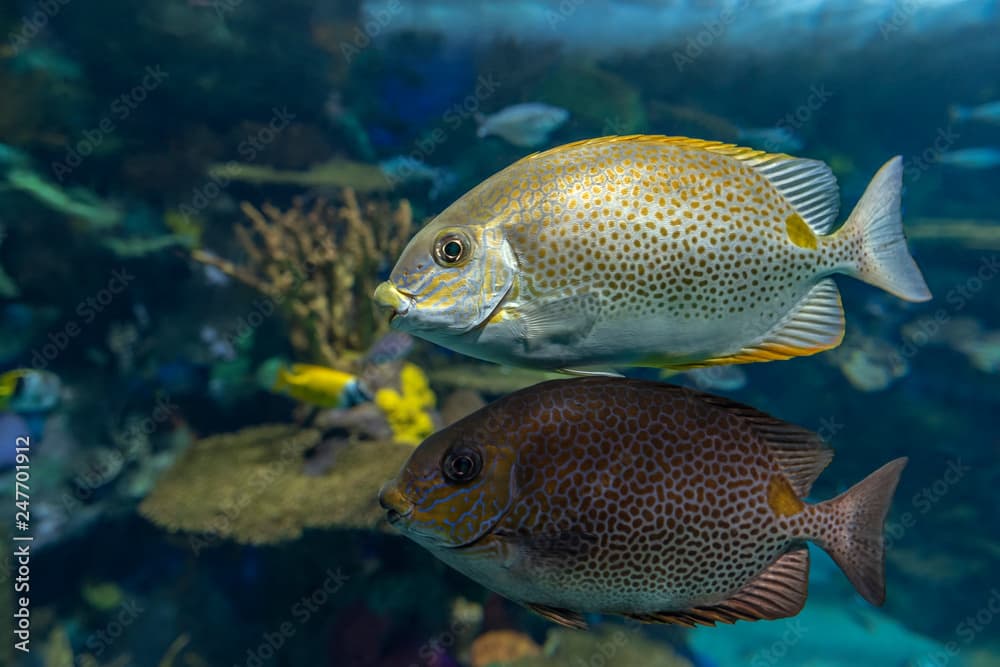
column 527, row 125
column 972, row 158
column 986, row 113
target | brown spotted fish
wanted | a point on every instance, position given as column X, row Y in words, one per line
column 652, row 501
column 649, row 251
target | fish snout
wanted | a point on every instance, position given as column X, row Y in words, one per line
column 394, row 503
column 388, row 295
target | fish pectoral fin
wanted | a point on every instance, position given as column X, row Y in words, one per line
column 562, row 316
column 777, row 592
column 814, row 324
column 564, row 617
column 579, row 372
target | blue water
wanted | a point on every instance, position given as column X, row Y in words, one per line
column 117, row 120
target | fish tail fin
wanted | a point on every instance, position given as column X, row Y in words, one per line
column 873, row 237
column 958, row 113
column 852, row 525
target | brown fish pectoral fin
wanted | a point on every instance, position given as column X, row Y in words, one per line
column 563, row 617
column 777, row 592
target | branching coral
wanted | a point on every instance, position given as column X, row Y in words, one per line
column 320, row 265
column 251, row 486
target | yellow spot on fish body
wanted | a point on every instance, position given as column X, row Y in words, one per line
column 799, row 232
column 781, row 497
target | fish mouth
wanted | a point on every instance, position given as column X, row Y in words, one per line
column 395, row 504
column 389, row 296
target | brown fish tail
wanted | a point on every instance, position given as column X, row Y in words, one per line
column 850, row 529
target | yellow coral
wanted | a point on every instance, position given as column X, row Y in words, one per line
column 408, row 409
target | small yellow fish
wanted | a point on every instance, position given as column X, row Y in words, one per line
column 649, row 251
column 29, row 390
column 8, row 385
column 318, row 385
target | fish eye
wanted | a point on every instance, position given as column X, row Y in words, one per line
column 461, row 464
column 450, row 249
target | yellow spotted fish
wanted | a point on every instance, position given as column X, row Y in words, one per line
column 649, row 251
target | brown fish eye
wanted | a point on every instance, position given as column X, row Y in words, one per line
column 462, row 465
column 450, row 250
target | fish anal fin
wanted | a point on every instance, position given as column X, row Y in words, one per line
column 564, row 617
column 814, row 325
column 777, row 592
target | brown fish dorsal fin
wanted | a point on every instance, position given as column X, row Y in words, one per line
column 801, row 453
column 777, row 592
column 809, row 186
column 814, row 324
column 564, row 617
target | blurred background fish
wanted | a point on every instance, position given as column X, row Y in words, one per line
column 526, row 125
column 982, row 157
column 988, row 112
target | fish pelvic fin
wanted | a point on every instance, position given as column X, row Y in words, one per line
column 851, row 529
column 564, row 617
column 871, row 244
column 778, row 592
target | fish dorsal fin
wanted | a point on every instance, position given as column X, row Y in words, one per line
column 814, row 324
column 777, row 592
column 564, row 617
column 801, row 453
column 808, row 185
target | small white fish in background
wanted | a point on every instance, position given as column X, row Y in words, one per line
column 772, row 139
column 718, row 378
column 986, row 113
column 972, row 158
column 402, row 170
column 527, row 125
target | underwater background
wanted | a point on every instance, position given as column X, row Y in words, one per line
column 200, row 401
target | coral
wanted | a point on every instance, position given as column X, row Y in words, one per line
column 611, row 646
column 251, row 486
column 502, row 647
column 79, row 204
column 408, row 409
column 57, row 651
column 319, row 265
column 358, row 176
column 103, row 596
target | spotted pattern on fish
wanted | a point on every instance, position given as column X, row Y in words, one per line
column 656, row 228
column 645, row 499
